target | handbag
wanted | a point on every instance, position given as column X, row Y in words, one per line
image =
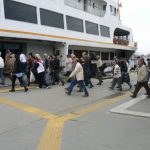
column 32, row 78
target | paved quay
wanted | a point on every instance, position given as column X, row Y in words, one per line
column 48, row 119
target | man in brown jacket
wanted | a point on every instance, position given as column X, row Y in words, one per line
column 142, row 78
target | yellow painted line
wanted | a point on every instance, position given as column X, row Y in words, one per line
column 17, row 89
column 29, row 109
column 51, row 139
column 94, row 107
column 55, row 36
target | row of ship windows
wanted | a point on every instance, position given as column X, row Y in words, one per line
column 23, row 12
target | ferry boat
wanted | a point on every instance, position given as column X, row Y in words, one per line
column 65, row 26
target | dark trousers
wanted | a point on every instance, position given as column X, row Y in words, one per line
column 2, row 75
column 148, row 76
column 99, row 76
column 81, row 84
column 14, row 77
column 57, row 77
column 41, row 79
column 24, row 67
column 139, row 85
column 117, row 80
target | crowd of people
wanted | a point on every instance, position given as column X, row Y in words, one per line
column 45, row 71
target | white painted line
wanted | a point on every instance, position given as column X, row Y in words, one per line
column 121, row 109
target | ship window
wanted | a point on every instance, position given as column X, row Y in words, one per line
column 112, row 55
column 113, row 10
column 74, row 24
column 52, row 19
column 91, row 28
column 105, row 55
column 19, row 11
column 104, row 31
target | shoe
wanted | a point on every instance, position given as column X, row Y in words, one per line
column 148, row 96
column 48, row 87
column 26, row 89
column 119, row 89
column 111, row 88
column 133, row 96
column 86, row 95
column 91, row 86
column 67, row 92
column 130, row 87
column 11, row 90
column 99, row 84
column 62, row 84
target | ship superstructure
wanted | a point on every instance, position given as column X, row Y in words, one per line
column 65, row 26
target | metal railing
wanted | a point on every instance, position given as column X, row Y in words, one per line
column 88, row 7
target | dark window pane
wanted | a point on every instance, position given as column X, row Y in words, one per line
column 91, row 28
column 104, row 31
column 50, row 18
column 112, row 55
column 78, row 53
column 105, row 56
column 19, row 11
column 74, row 24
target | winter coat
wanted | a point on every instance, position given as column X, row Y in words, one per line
column 77, row 72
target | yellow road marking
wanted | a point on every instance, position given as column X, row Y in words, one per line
column 29, row 109
column 51, row 138
column 93, row 107
column 17, row 89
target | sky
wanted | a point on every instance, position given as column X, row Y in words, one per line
column 136, row 15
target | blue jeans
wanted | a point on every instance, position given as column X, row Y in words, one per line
column 81, row 84
column 2, row 75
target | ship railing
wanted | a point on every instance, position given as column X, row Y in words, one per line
column 87, row 7
column 121, row 41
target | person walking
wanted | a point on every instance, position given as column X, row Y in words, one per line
column 78, row 76
column 39, row 66
column 2, row 70
column 142, row 78
column 23, row 61
column 116, row 77
column 99, row 70
column 17, row 73
column 148, row 67
column 56, row 67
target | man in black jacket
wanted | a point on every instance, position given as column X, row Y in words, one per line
column 17, row 73
column 56, row 67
